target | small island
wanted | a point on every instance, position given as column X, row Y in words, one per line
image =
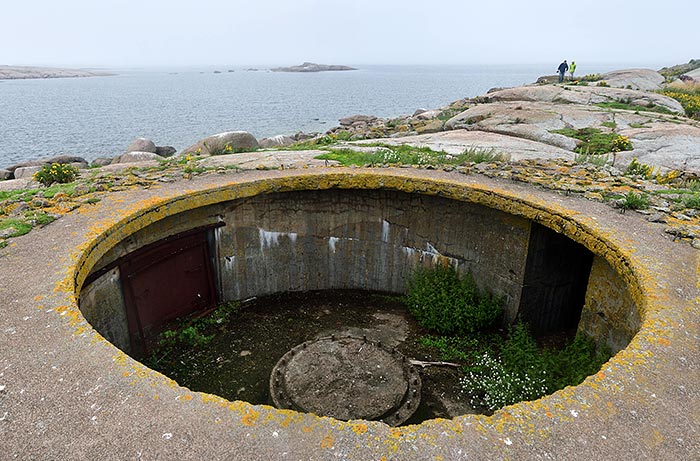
column 312, row 67
column 26, row 72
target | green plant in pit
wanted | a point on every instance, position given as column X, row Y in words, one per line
column 56, row 173
column 443, row 301
column 523, row 371
column 454, row 348
column 196, row 332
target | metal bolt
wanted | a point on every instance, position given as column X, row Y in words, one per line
column 408, row 404
column 332, row 337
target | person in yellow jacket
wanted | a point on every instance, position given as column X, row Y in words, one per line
column 572, row 69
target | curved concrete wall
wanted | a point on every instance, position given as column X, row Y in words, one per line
column 359, row 239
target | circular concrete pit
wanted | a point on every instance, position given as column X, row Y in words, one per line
column 80, row 396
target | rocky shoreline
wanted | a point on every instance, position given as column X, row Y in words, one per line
column 525, row 122
column 531, row 130
column 27, row 72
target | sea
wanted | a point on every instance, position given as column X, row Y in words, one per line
column 99, row 116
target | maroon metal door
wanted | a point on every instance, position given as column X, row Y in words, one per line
column 165, row 281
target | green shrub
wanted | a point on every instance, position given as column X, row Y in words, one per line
column 56, row 172
column 635, row 168
column 632, row 201
column 481, row 155
column 523, row 371
column 688, row 97
column 593, row 159
column 692, row 201
column 591, row 78
column 444, row 302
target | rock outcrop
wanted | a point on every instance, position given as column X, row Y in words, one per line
column 312, row 67
column 230, row 142
column 277, row 141
column 635, row 79
column 135, row 156
column 25, row 72
column 142, row 145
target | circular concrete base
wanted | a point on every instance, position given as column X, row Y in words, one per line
column 346, row 378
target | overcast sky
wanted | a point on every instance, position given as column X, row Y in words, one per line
column 127, row 33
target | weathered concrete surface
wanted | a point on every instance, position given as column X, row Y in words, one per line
column 66, row 393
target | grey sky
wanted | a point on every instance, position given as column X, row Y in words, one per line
column 276, row 32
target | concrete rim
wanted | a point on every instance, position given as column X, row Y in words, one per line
column 616, row 409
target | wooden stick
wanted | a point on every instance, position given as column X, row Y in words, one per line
column 433, row 364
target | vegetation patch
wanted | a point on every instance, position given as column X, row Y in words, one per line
column 410, row 155
column 595, row 142
column 520, row 370
column 56, row 173
column 448, row 303
column 497, row 369
column 626, row 104
column 688, row 96
column 190, row 332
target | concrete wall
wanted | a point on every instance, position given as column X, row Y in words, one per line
column 609, row 314
column 310, row 240
column 102, row 304
column 365, row 239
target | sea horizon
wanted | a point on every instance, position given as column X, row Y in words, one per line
column 177, row 106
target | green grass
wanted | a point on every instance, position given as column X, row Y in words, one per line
column 633, row 201
column 592, row 159
column 594, row 141
column 22, row 194
column 624, row 105
column 410, row 155
column 18, row 226
column 692, row 201
column 51, row 191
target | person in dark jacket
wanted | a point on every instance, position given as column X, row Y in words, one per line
column 563, row 67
